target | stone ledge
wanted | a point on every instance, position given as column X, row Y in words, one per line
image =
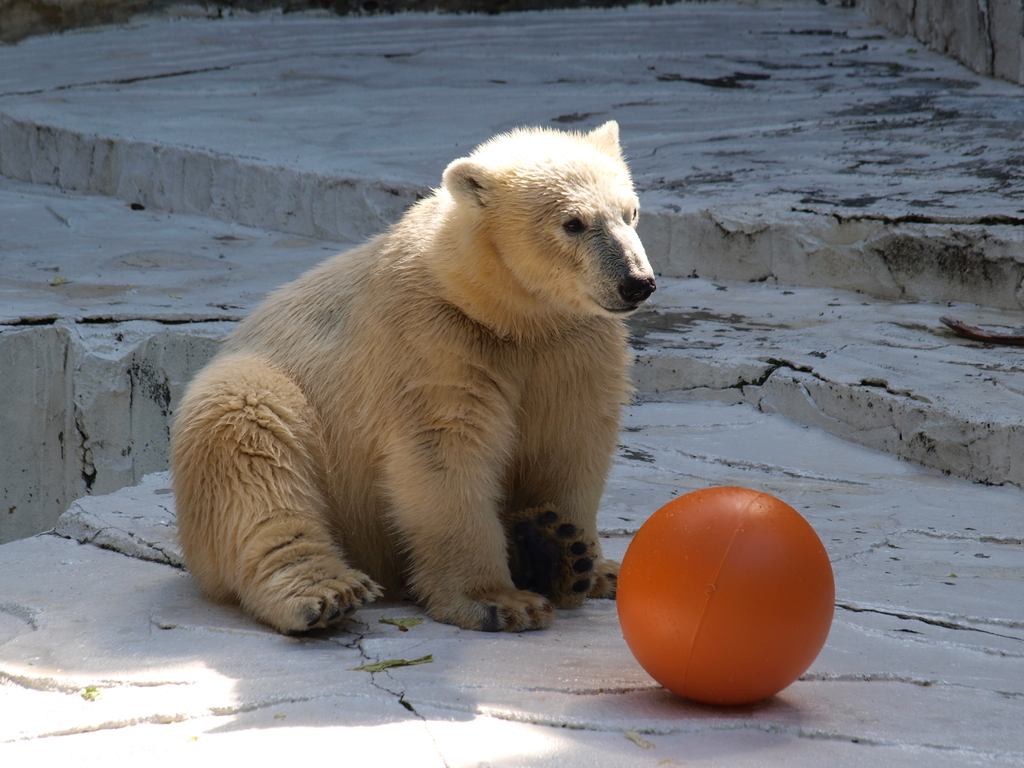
column 138, row 521
column 886, row 375
column 90, row 410
column 939, row 259
column 842, row 159
column 98, row 419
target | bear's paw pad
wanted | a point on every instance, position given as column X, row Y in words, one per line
column 551, row 557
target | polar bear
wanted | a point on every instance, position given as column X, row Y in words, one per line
column 431, row 415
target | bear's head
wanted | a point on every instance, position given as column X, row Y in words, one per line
column 559, row 211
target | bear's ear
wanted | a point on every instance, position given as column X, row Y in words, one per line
column 606, row 139
column 468, row 181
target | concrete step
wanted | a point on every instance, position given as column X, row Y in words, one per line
column 105, row 314
column 888, row 375
column 796, row 147
column 101, row 329
column 797, row 143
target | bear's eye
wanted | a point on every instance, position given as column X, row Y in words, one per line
column 573, row 226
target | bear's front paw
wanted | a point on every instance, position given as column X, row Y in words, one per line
column 551, row 557
column 500, row 610
column 317, row 602
column 606, row 579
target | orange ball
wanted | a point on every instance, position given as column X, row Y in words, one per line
column 726, row 595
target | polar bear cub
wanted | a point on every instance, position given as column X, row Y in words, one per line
column 399, row 419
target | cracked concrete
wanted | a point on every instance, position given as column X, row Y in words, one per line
column 924, row 665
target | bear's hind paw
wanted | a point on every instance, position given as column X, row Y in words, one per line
column 505, row 610
column 318, row 603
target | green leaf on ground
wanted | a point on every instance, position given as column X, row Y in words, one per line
column 380, row 666
column 404, row 623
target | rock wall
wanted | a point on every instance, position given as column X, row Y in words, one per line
column 21, row 18
column 94, row 416
column 985, row 35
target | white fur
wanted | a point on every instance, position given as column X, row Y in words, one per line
column 376, row 418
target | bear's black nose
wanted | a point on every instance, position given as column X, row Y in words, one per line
column 636, row 289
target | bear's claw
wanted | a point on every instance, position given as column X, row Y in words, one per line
column 320, row 602
column 550, row 557
column 493, row 621
column 500, row 610
column 606, row 579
